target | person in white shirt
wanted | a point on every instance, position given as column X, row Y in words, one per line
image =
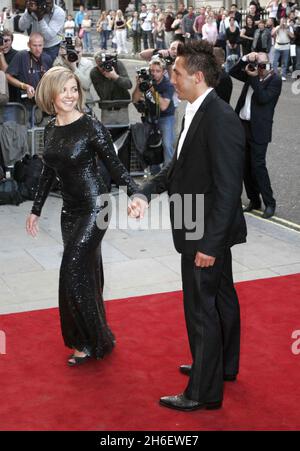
column 283, row 35
column 69, row 27
column 147, row 18
column 49, row 22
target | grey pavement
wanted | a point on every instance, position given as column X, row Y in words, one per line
column 137, row 261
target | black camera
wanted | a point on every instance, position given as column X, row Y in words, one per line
column 252, row 67
column 41, row 5
column 107, row 62
column 168, row 60
column 145, row 79
column 68, row 45
column 1, row 39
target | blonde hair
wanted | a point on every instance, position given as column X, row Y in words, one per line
column 52, row 84
column 156, row 60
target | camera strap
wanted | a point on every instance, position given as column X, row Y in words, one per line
column 38, row 62
column 157, row 107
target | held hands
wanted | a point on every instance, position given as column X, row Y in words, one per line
column 32, row 227
column 137, row 208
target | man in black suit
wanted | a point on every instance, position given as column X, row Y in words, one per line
column 208, row 162
column 255, row 108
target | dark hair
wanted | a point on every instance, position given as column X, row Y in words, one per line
column 251, row 18
column 199, row 56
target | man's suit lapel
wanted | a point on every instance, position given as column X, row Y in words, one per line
column 195, row 124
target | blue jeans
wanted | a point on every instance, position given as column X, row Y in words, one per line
column 284, row 56
column 104, row 34
column 87, row 41
column 167, row 127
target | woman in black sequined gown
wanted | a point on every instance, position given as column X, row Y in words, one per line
column 73, row 143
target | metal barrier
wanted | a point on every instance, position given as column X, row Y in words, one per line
column 36, row 140
column 135, row 165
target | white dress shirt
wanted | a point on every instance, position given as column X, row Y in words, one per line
column 190, row 111
column 245, row 113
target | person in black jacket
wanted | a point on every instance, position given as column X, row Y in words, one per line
column 209, row 159
column 224, row 86
column 255, row 107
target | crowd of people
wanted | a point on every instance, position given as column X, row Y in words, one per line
column 151, row 27
column 57, row 39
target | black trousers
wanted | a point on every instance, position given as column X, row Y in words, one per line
column 212, row 317
column 256, row 176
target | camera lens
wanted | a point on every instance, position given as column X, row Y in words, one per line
column 72, row 56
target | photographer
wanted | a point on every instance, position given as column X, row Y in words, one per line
column 46, row 18
column 7, row 53
column 70, row 56
column 27, row 68
column 167, row 55
column 255, row 107
column 111, row 82
column 156, row 94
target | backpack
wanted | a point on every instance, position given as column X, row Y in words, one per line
column 9, row 192
column 27, row 173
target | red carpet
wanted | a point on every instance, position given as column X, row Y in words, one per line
column 39, row 391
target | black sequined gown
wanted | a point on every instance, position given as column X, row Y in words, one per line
column 71, row 154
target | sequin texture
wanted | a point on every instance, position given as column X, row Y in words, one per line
column 71, row 153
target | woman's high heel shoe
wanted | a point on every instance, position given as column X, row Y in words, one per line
column 75, row 361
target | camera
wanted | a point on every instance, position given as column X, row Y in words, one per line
column 252, row 67
column 68, row 45
column 1, row 39
column 41, row 5
column 255, row 66
column 107, row 62
column 145, row 79
column 169, row 60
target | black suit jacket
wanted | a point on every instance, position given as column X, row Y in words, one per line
column 263, row 101
column 210, row 163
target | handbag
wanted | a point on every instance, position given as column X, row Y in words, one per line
column 27, row 173
column 154, row 151
column 9, row 192
column 81, row 33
